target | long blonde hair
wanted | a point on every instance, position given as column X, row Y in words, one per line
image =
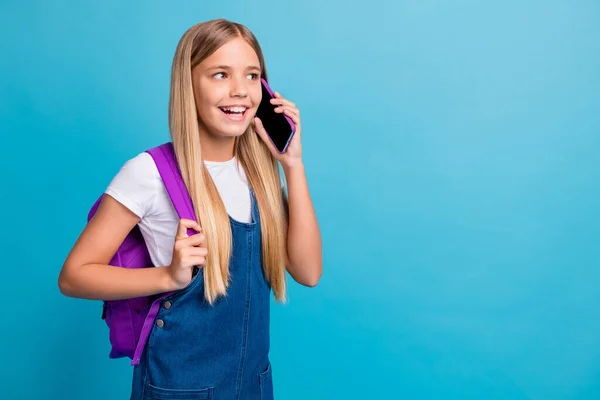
column 196, row 44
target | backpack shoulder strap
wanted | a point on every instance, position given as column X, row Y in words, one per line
column 165, row 160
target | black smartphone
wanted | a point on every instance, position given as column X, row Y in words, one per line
column 280, row 128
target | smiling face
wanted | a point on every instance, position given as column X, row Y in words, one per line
column 227, row 90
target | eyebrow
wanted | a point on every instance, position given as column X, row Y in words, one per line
column 226, row 67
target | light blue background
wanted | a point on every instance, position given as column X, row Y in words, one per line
column 452, row 150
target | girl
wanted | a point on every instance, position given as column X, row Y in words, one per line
column 211, row 341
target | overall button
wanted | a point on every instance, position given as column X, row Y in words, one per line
column 167, row 304
column 160, row 323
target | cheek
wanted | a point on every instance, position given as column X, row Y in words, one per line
column 256, row 95
column 207, row 99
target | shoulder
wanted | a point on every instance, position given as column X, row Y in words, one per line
column 140, row 171
column 136, row 184
column 142, row 164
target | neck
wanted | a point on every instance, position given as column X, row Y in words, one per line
column 217, row 149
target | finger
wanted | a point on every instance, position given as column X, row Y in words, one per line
column 188, row 224
column 260, row 130
column 199, row 261
column 195, row 240
column 278, row 95
column 185, row 225
column 281, row 100
column 293, row 114
column 188, row 252
column 293, row 110
column 194, row 261
column 196, row 251
column 286, row 107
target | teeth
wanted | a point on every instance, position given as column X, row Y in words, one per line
column 235, row 109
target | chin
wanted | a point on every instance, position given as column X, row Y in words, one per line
column 227, row 127
column 220, row 129
column 230, row 131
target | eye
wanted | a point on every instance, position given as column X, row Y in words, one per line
column 253, row 76
column 220, row 75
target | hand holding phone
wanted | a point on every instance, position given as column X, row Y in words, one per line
column 279, row 127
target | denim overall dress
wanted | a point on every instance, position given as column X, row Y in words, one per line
column 220, row 352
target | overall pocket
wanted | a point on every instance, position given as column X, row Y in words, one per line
column 266, row 384
column 156, row 393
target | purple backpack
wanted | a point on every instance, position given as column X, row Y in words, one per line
column 130, row 321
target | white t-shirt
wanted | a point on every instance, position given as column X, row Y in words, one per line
column 139, row 187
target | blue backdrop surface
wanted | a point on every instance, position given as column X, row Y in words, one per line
column 452, row 153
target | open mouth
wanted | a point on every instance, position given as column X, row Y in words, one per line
column 234, row 113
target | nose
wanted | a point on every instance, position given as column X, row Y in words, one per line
column 239, row 87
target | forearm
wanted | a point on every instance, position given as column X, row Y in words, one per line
column 105, row 282
column 304, row 237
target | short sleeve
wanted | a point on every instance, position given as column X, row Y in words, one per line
column 136, row 184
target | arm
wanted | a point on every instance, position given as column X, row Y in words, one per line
column 86, row 273
column 304, row 252
column 305, row 262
